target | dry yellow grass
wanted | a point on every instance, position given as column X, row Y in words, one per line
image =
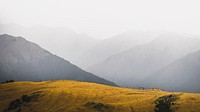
column 73, row 96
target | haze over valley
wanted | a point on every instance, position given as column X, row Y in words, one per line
column 128, row 59
column 99, row 56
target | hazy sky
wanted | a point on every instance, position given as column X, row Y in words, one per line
column 105, row 18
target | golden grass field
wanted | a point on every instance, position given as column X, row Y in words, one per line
column 74, row 96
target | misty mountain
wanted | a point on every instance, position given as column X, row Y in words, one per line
column 181, row 75
column 24, row 60
column 131, row 66
column 59, row 40
column 114, row 45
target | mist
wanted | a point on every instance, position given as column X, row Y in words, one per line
column 103, row 19
column 126, row 42
column 99, row 55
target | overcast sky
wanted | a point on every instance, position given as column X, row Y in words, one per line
column 105, row 18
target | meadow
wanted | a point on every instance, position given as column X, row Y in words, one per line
column 74, row 96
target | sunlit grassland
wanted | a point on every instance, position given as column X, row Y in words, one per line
column 74, row 96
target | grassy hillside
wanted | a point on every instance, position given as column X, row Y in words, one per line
column 73, row 96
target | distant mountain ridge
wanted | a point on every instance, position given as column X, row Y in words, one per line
column 130, row 67
column 115, row 45
column 181, row 75
column 24, row 60
column 60, row 40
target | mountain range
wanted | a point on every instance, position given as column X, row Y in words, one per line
column 167, row 61
column 181, row 75
column 24, row 60
column 115, row 45
column 130, row 67
column 60, row 40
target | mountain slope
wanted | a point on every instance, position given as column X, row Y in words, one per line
column 72, row 96
column 182, row 75
column 114, row 45
column 59, row 40
column 23, row 60
column 130, row 67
